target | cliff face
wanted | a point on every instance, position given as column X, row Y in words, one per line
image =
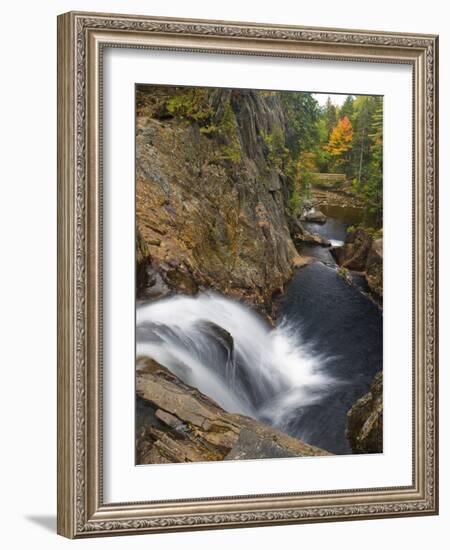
column 180, row 424
column 211, row 201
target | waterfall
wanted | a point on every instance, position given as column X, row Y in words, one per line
column 232, row 355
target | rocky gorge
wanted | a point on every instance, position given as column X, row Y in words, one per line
column 214, row 213
column 205, row 218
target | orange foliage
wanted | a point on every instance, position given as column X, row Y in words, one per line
column 341, row 137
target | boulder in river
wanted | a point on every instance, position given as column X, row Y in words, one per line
column 310, row 238
column 300, row 235
column 177, row 423
column 314, row 216
column 353, row 254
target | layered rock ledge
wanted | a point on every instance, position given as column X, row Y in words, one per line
column 177, row 423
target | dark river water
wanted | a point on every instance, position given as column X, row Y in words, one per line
column 345, row 326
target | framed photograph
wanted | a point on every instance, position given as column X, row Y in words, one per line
column 247, row 281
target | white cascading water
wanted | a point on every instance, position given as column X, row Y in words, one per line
column 233, row 356
column 336, row 242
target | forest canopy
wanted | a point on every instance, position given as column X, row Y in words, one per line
column 346, row 140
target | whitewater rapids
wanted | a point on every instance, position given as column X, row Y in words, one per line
column 232, row 355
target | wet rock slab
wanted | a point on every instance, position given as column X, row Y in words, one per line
column 180, row 424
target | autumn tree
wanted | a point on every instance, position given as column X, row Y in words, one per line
column 340, row 142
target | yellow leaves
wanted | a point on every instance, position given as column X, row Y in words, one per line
column 341, row 138
column 307, row 161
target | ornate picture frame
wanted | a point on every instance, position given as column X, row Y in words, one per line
column 82, row 38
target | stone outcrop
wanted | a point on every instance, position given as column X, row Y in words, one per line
column 177, row 423
column 306, row 237
column 205, row 221
column 363, row 253
column 314, row 216
column 300, row 235
column 365, row 420
column 353, row 254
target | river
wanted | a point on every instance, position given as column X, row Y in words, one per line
column 301, row 376
column 346, row 326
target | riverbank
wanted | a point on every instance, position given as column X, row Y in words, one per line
column 341, row 195
column 362, row 252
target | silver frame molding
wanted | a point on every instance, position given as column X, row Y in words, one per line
column 81, row 39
